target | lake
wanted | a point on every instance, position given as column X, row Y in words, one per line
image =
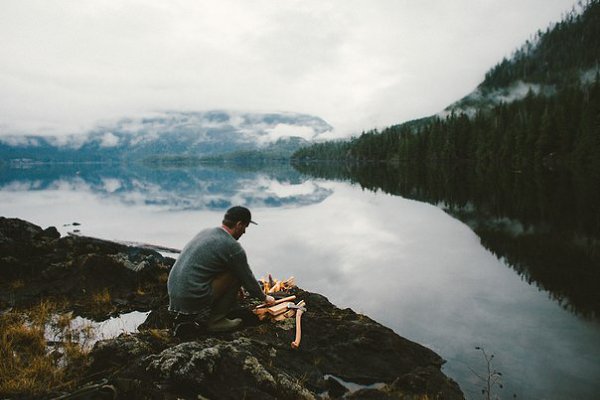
column 451, row 259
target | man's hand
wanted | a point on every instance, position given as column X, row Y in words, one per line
column 269, row 300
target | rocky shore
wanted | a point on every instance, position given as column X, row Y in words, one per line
column 342, row 355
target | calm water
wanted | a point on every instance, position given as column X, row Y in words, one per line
column 437, row 271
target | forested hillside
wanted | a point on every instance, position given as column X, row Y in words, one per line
column 540, row 128
column 557, row 56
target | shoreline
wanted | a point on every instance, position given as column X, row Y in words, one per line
column 339, row 347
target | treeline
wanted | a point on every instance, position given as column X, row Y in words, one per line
column 541, row 128
column 555, row 56
column 544, row 223
column 537, row 129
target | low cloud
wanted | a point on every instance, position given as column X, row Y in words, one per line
column 109, row 140
column 19, row 141
column 355, row 64
column 285, row 130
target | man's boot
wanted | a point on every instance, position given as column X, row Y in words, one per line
column 220, row 308
column 224, row 325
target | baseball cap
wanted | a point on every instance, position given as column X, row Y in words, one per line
column 239, row 213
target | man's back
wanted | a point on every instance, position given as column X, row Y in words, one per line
column 208, row 254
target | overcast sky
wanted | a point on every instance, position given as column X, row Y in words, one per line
column 65, row 66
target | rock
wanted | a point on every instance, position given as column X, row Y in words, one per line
column 255, row 362
column 119, row 351
column 36, row 262
column 258, row 362
column 225, row 370
column 334, row 388
column 14, row 232
column 50, row 233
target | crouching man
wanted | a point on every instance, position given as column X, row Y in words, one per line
column 205, row 280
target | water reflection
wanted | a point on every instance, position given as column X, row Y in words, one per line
column 414, row 268
column 87, row 332
column 408, row 264
column 544, row 224
column 199, row 187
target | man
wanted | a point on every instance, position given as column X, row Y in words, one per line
column 206, row 278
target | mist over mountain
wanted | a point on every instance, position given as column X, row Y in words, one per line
column 193, row 134
column 566, row 53
column 538, row 107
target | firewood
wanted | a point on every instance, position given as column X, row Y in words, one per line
column 278, row 309
column 278, row 301
column 285, row 315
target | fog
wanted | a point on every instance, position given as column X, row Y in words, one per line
column 67, row 66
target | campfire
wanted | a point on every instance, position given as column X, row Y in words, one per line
column 271, row 285
column 283, row 308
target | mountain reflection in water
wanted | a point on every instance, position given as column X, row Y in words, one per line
column 203, row 187
column 544, row 224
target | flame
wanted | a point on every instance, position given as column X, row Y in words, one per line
column 271, row 285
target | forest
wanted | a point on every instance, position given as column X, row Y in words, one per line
column 561, row 127
column 564, row 128
column 555, row 56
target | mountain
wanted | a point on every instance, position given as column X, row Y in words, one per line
column 540, row 107
column 282, row 149
column 566, row 53
column 190, row 134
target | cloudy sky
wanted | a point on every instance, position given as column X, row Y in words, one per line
column 66, row 66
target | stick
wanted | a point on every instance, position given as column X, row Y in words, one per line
column 296, row 342
column 290, row 298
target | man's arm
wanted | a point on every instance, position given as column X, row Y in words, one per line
column 241, row 269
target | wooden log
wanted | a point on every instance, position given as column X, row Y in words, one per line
column 285, row 315
column 289, row 298
column 279, row 308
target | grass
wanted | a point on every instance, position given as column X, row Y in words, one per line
column 163, row 278
column 155, row 286
column 28, row 366
column 100, row 302
column 17, row 284
column 162, row 335
column 101, row 298
column 13, row 287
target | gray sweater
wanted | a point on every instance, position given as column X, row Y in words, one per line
column 209, row 253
